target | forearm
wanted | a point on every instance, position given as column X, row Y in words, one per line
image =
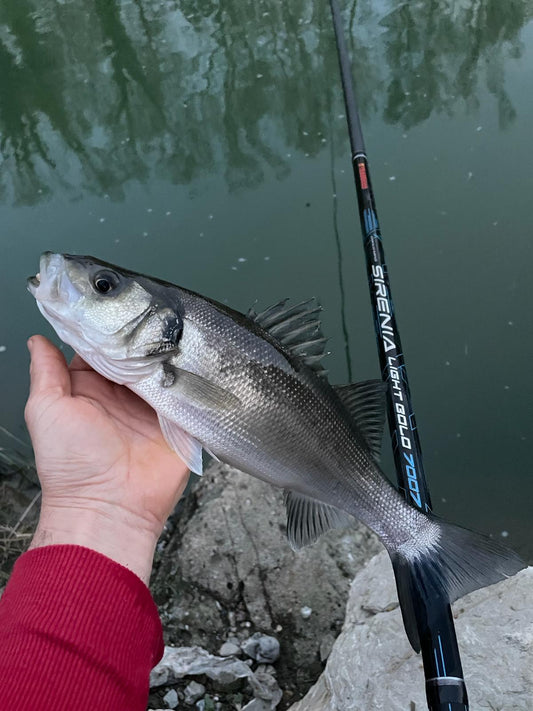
column 77, row 631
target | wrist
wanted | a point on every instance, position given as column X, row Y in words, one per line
column 115, row 533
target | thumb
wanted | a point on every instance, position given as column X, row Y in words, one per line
column 49, row 374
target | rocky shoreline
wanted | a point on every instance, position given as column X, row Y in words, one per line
column 225, row 572
column 250, row 625
column 238, row 578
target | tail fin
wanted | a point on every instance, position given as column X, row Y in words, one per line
column 456, row 562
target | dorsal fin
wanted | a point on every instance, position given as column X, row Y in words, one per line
column 308, row 518
column 365, row 402
column 296, row 328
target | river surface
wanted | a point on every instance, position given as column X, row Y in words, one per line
column 206, row 143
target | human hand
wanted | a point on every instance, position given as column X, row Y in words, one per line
column 109, row 480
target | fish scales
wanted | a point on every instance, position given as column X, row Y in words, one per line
column 290, row 431
column 256, row 398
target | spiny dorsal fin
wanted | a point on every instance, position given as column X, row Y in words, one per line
column 308, row 518
column 297, row 330
column 365, row 402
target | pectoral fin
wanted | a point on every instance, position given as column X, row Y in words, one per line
column 198, row 390
column 308, row 519
column 186, row 447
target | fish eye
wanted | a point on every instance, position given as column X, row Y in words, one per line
column 105, row 281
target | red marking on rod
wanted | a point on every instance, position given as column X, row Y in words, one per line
column 362, row 176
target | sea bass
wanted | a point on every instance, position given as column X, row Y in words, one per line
column 251, row 391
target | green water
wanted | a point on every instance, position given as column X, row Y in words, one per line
column 205, row 143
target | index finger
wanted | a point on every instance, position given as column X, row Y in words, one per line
column 77, row 363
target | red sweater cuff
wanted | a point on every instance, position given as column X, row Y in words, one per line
column 77, row 630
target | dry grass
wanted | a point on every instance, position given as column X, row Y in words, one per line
column 12, row 544
column 19, row 497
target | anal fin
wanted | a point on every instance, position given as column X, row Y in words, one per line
column 308, row 519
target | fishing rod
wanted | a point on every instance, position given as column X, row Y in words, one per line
column 445, row 686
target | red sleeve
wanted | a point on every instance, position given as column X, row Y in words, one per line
column 77, row 631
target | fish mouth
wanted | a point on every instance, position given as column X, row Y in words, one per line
column 44, row 285
column 33, row 283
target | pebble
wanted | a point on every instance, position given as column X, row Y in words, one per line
column 266, row 669
column 228, row 649
column 262, row 648
column 193, row 692
column 305, row 612
column 171, row 698
column 257, row 705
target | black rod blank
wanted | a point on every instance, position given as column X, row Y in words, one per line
column 445, row 686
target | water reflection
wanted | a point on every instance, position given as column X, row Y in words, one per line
column 438, row 53
column 96, row 93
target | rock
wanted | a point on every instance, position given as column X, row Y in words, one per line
column 179, row 662
column 372, row 665
column 226, row 673
column 265, row 688
column 257, row 705
column 262, row 648
column 326, row 645
column 267, row 668
column 228, row 649
column 228, row 562
column 193, row 692
column 171, row 699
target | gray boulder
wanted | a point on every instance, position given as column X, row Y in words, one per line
column 372, row 665
column 228, row 570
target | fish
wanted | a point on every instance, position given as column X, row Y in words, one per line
column 251, row 390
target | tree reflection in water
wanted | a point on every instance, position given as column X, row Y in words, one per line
column 94, row 94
